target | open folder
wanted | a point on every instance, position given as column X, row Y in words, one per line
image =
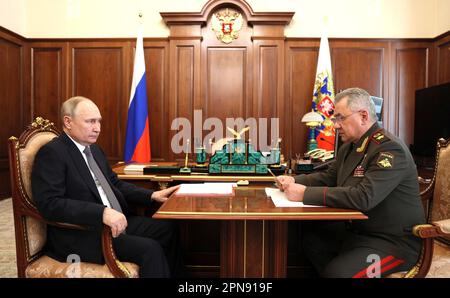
column 206, row 189
column 279, row 199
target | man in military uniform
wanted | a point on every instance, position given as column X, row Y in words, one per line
column 374, row 173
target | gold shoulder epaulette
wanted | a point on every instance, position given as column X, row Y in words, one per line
column 363, row 146
column 379, row 137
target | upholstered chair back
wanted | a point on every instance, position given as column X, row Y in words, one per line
column 440, row 206
column 26, row 158
column 22, row 154
column 35, row 230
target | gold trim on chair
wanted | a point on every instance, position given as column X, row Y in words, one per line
column 418, row 228
column 40, row 122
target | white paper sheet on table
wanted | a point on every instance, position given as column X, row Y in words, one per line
column 206, row 188
column 279, row 199
column 135, row 168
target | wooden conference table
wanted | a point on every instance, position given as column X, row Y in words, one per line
column 253, row 232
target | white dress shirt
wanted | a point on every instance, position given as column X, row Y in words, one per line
column 99, row 187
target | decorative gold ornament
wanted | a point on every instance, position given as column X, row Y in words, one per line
column 237, row 135
column 41, row 122
column 227, row 23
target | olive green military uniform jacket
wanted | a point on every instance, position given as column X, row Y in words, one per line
column 378, row 177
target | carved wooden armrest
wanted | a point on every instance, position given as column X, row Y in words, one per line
column 115, row 266
column 436, row 229
column 36, row 215
column 66, row 225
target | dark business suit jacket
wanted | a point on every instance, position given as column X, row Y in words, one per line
column 377, row 176
column 65, row 191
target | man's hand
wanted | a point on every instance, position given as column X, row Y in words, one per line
column 162, row 195
column 116, row 220
column 295, row 192
column 283, row 181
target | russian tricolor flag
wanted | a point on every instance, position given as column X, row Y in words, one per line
column 137, row 141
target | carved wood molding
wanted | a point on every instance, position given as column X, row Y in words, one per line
column 200, row 18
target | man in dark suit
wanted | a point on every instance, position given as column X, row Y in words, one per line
column 72, row 182
column 374, row 173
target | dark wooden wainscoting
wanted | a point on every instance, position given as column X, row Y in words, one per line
column 14, row 97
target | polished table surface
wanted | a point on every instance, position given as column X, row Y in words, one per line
column 246, row 203
column 253, row 233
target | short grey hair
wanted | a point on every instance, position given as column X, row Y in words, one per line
column 358, row 99
column 69, row 106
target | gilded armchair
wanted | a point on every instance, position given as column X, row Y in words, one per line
column 434, row 260
column 31, row 227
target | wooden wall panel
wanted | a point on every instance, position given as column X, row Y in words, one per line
column 411, row 73
column 364, row 64
column 269, row 101
column 98, row 73
column 226, row 78
column 156, row 60
column 443, row 60
column 184, row 85
column 226, row 81
column 301, row 64
column 185, row 80
column 358, row 68
column 185, row 89
column 48, row 88
column 265, row 104
column 13, row 110
column 11, row 94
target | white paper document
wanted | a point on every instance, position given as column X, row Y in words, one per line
column 279, row 199
column 206, row 188
column 135, row 168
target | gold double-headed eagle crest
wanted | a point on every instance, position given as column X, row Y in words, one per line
column 227, row 23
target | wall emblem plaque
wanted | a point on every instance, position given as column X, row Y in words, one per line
column 227, row 23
